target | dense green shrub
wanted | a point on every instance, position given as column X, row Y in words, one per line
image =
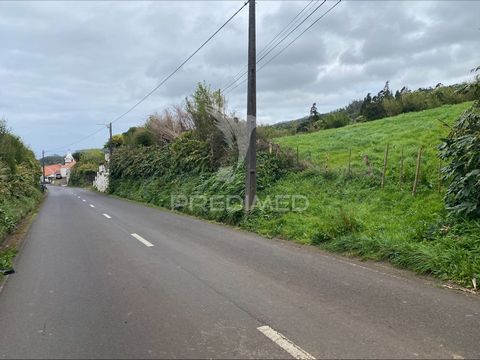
column 462, row 150
column 201, row 106
column 154, row 174
column 85, row 170
column 19, row 180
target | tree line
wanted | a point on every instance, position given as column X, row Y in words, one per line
column 375, row 106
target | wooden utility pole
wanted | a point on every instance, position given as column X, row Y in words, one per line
column 110, row 147
column 251, row 168
column 43, row 170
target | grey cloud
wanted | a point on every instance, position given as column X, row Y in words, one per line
column 65, row 67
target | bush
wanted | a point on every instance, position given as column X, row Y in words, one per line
column 462, row 149
column 84, row 172
column 19, row 180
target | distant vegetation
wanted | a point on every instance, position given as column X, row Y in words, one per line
column 19, row 182
column 53, row 159
column 384, row 104
column 85, row 170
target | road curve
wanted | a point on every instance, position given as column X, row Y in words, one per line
column 100, row 277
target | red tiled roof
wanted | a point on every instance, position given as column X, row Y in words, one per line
column 52, row 169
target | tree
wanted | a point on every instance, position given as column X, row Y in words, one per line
column 116, row 142
column 143, row 137
column 53, row 159
column 201, row 107
column 314, row 115
column 169, row 125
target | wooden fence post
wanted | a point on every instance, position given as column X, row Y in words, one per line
column 298, row 159
column 367, row 164
column 270, row 147
column 401, row 168
column 350, row 162
column 417, row 172
column 385, row 162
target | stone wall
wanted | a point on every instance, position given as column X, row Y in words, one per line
column 101, row 180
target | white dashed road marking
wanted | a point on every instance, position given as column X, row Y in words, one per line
column 107, row 216
column 92, row 206
column 84, row 200
column 142, row 240
column 284, row 343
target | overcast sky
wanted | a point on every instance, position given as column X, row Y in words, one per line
column 67, row 66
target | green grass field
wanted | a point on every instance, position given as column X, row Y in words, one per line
column 353, row 215
column 410, row 131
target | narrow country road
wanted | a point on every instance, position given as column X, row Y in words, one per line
column 100, row 277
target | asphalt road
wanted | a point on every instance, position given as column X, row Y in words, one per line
column 85, row 287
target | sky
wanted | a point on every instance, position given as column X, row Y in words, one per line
column 66, row 67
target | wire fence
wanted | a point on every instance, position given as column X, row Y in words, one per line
column 409, row 168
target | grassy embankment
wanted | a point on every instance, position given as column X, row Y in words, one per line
column 354, row 216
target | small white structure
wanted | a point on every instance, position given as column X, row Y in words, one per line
column 66, row 169
column 69, row 158
column 101, row 180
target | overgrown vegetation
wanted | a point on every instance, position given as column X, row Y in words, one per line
column 85, row 170
column 6, row 260
column 188, row 156
column 19, row 185
column 462, row 149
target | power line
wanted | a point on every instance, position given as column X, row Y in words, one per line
column 287, row 27
column 74, row 143
column 288, row 45
column 181, row 65
column 303, row 32
column 278, row 43
column 274, row 38
column 162, row 82
column 291, row 31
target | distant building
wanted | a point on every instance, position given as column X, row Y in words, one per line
column 57, row 171
column 51, row 171
column 69, row 158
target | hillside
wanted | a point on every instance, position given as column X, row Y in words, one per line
column 411, row 130
column 354, row 215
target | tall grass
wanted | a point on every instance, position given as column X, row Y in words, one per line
column 354, row 216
